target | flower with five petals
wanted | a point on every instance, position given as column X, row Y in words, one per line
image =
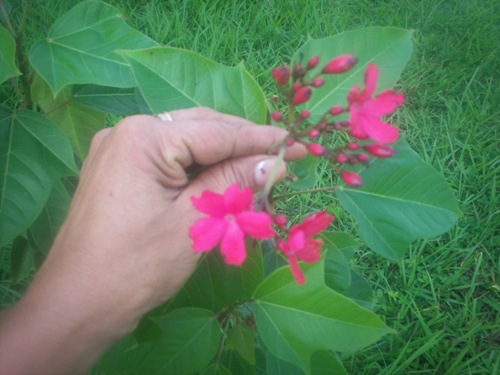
column 230, row 220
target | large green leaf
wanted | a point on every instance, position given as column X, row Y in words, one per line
column 8, row 67
column 215, row 285
column 35, row 154
column 80, row 48
column 235, row 364
column 171, row 78
column 338, row 273
column 190, row 339
column 241, row 338
column 388, row 47
column 115, row 100
column 79, row 123
column 44, row 229
column 22, row 259
column 294, row 320
column 326, row 363
column 402, row 199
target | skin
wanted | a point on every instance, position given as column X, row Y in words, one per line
column 124, row 247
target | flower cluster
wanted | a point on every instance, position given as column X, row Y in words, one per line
column 369, row 134
column 232, row 216
column 231, row 219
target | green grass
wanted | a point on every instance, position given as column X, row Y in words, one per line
column 444, row 298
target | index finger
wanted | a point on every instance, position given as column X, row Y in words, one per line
column 211, row 141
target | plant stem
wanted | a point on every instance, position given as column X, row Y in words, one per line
column 270, row 181
column 7, row 20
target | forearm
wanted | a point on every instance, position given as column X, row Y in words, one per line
column 58, row 327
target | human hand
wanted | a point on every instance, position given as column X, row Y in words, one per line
column 124, row 247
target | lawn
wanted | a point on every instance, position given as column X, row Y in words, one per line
column 443, row 299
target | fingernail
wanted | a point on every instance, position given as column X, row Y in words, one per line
column 263, row 170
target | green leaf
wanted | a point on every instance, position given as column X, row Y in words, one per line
column 402, row 199
column 124, row 357
column 326, row 363
column 215, row 285
column 35, row 154
column 277, row 366
column 305, row 171
column 235, row 364
column 118, row 101
column 188, row 342
column 80, row 48
column 22, row 259
column 8, row 67
column 171, row 78
column 241, row 338
column 190, row 339
column 337, row 271
column 388, row 47
column 78, row 123
column 360, row 291
column 294, row 320
column 216, row 370
column 44, row 229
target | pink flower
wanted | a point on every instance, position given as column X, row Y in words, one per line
column 365, row 111
column 230, row 219
column 302, row 245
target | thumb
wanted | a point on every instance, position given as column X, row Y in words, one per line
column 251, row 171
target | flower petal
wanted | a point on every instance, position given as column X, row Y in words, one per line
column 315, row 223
column 355, row 123
column 311, row 252
column 209, row 203
column 256, row 224
column 233, row 245
column 384, row 103
column 296, row 240
column 297, row 273
column 206, row 233
column 380, row 131
column 371, row 77
column 236, row 200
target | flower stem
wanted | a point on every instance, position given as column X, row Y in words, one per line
column 270, row 181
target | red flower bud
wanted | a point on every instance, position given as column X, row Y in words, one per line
column 342, row 158
column 281, row 74
column 317, row 82
column 276, row 116
column 380, row 151
column 302, row 95
column 313, row 61
column 290, row 141
column 296, row 86
column 351, row 178
column 280, row 221
column 340, row 64
column 352, row 146
column 315, row 149
column 313, row 133
column 304, row 114
column 336, row 110
column 362, row 158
